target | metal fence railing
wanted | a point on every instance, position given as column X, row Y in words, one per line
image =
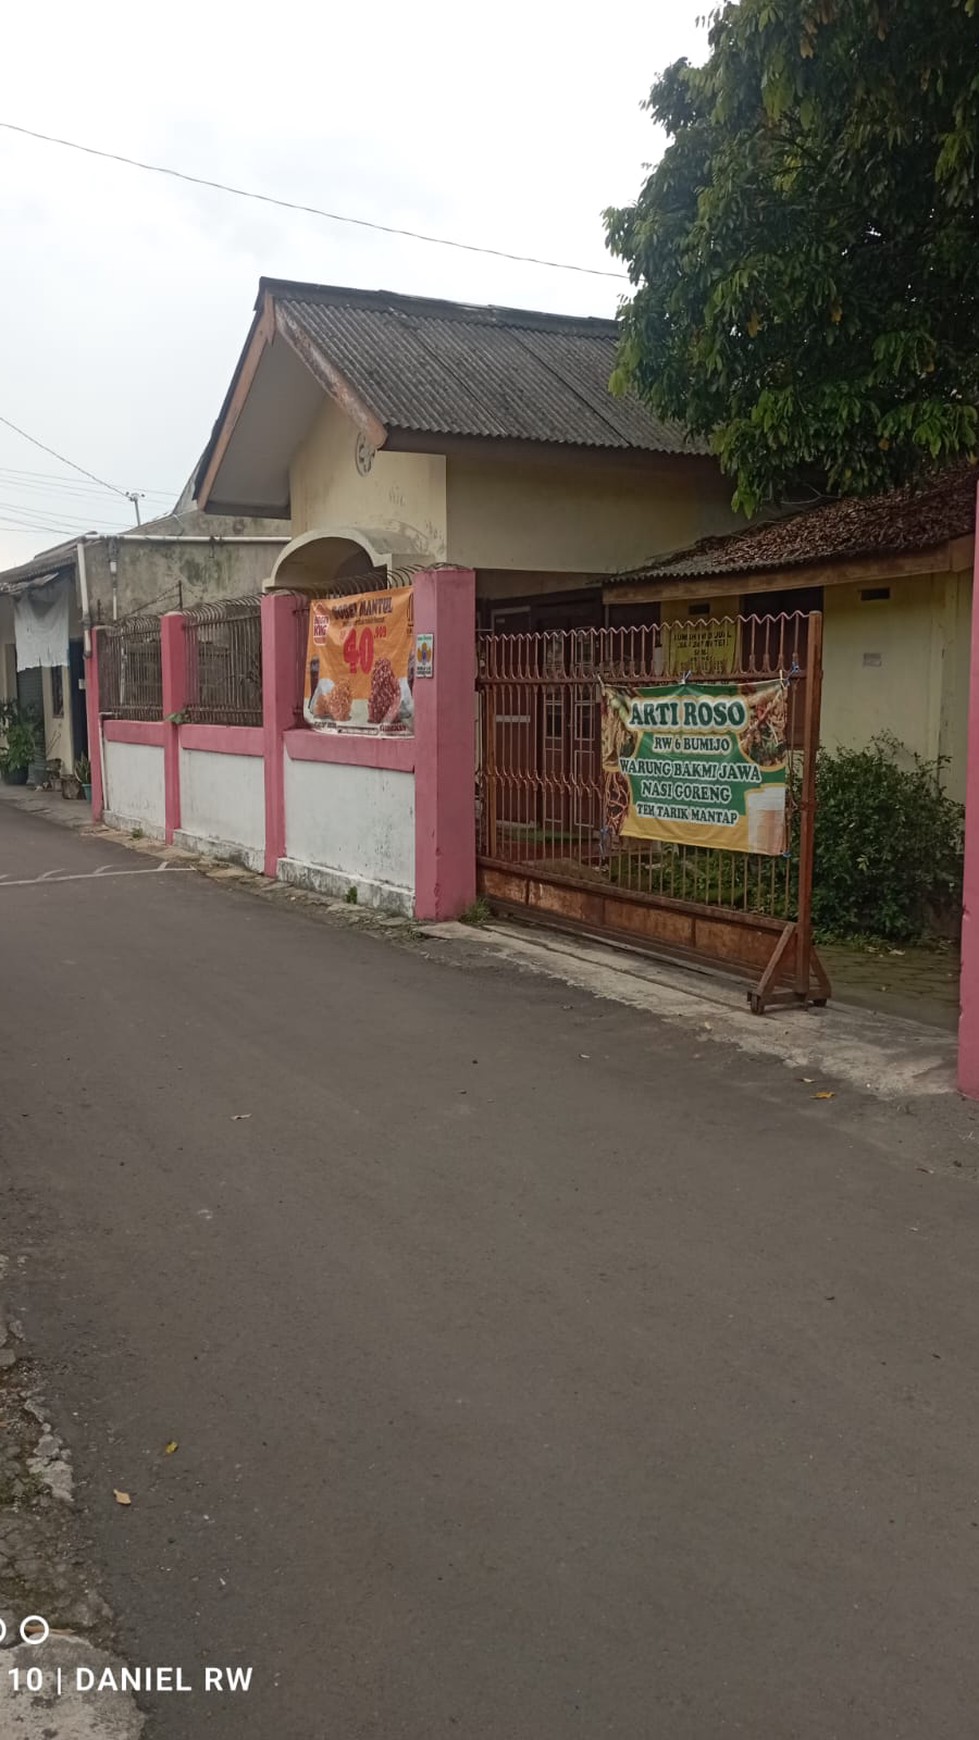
column 131, row 669
column 223, row 651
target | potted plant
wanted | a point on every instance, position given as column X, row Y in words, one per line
column 18, row 751
column 83, row 774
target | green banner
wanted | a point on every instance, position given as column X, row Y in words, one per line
column 701, row 764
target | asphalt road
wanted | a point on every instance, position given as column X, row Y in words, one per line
column 535, row 1372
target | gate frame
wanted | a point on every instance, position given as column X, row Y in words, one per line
column 780, row 951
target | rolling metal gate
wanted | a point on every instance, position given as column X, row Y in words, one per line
column 548, row 814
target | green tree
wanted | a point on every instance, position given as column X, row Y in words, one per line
column 806, row 252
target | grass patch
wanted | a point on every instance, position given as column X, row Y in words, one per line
column 477, row 912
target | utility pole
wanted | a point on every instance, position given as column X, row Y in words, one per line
column 135, row 496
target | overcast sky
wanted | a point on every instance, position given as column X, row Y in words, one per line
column 126, row 296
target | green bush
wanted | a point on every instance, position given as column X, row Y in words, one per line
column 888, row 858
column 20, row 729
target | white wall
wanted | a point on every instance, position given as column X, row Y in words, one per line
column 133, row 774
column 222, row 804
column 351, row 827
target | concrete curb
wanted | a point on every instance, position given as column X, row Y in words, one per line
column 882, row 1055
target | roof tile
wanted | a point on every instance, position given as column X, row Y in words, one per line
column 900, row 520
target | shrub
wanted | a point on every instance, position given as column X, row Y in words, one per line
column 888, row 854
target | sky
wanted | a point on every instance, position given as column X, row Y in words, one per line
column 126, row 297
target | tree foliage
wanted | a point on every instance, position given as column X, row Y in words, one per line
column 806, row 252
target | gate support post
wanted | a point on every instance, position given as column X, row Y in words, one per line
column 173, row 666
column 969, row 980
column 280, row 691
column 807, row 805
column 445, row 745
column 94, row 712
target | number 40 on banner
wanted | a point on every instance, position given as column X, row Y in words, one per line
column 358, row 648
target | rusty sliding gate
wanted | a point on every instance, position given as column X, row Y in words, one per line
column 548, row 841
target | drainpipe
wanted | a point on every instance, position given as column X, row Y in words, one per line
column 83, row 598
column 195, row 538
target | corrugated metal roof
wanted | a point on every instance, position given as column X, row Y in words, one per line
column 33, row 584
column 903, row 519
column 444, row 368
column 42, row 567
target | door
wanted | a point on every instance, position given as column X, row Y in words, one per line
column 76, row 686
column 512, row 745
column 30, row 694
column 777, row 636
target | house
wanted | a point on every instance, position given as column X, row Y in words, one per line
column 174, row 562
column 395, row 430
column 892, row 575
column 398, row 430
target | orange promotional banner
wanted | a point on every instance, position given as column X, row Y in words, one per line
column 360, row 662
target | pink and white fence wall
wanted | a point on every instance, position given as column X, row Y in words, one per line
column 969, row 981
column 391, row 817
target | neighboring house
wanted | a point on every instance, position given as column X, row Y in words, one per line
column 175, row 562
column 397, row 430
column 892, row 575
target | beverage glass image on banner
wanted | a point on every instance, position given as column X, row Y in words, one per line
column 766, row 820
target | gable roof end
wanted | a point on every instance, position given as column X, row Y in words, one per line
column 423, row 367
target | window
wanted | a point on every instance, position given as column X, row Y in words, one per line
column 554, row 718
column 874, row 594
column 57, row 691
column 633, row 615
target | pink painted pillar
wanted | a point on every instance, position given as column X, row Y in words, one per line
column 445, row 745
column 94, row 715
column 174, row 662
column 969, row 981
column 280, row 702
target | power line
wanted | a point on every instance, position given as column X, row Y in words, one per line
column 310, row 210
column 60, row 456
column 45, row 480
column 42, row 510
column 43, row 516
column 11, row 525
column 45, row 499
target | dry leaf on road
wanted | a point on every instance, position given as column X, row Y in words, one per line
column 168, row 1449
column 121, row 1497
column 824, row 1096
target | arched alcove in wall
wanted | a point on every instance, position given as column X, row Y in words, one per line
column 343, row 560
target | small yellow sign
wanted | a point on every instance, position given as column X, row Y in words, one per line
column 707, row 647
